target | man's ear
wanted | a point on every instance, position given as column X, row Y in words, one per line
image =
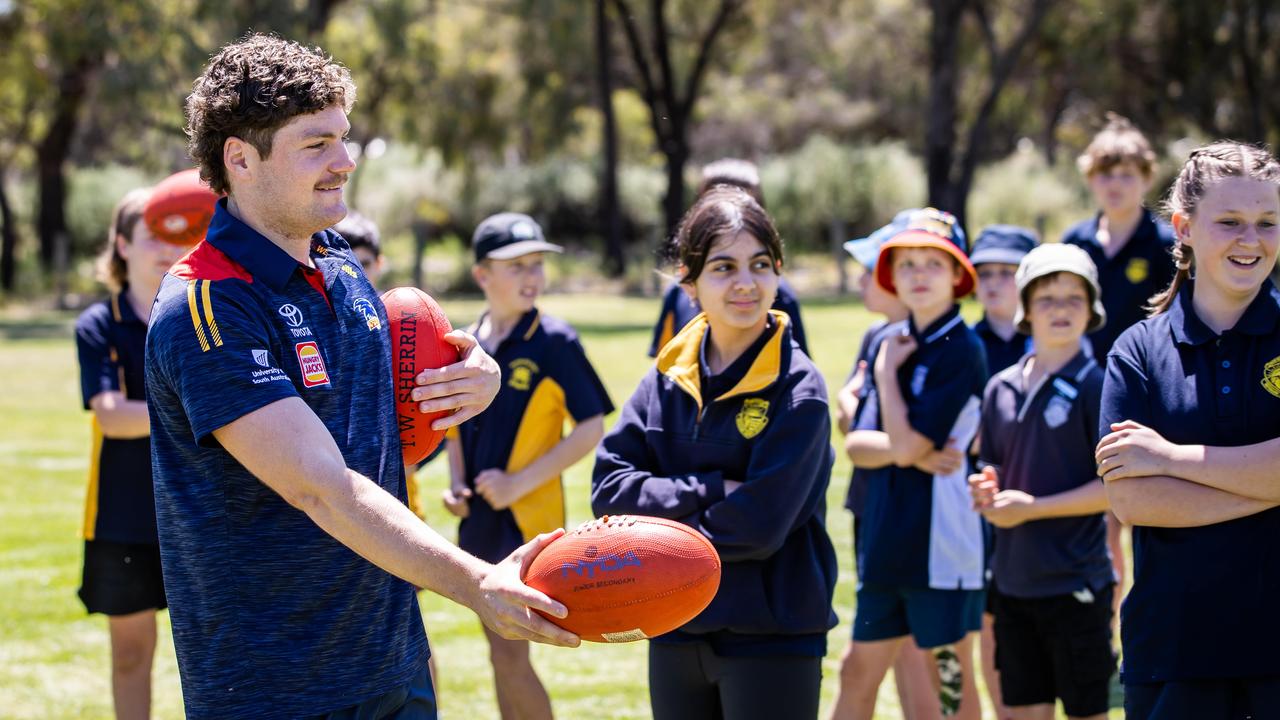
column 239, row 158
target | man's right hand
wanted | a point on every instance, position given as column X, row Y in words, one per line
column 506, row 605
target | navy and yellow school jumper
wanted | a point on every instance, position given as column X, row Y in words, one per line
column 546, row 381
column 763, row 421
column 120, row 504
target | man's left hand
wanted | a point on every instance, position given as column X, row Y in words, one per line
column 467, row 386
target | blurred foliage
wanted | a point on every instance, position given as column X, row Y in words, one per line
column 478, row 106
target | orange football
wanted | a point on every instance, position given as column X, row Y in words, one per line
column 627, row 577
column 418, row 327
column 180, row 208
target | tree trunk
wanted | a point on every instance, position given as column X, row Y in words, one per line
column 610, row 206
column 8, row 240
column 421, row 233
column 677, row 153
column 940, row 130
column 52, row 153
column 838, row 232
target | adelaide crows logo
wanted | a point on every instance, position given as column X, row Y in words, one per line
column 752, row 418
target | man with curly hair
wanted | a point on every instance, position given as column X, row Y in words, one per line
column 289, row 556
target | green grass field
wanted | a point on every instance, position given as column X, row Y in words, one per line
column 54, row 659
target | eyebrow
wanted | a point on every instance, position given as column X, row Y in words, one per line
column 322, row 134
column 715, row 258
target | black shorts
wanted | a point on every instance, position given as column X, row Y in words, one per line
column 1244, row 699
column 689, row 681
column 121, row 578
column 1055, row 647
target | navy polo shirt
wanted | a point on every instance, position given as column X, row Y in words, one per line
column 546, row 381
column 272, row 617
column 919, row 530
column 1001, row 353
column 678, row 310
column 1203, row 603
column 1142, row 268
column 119, row 504
column 856, row 499
column 1041, row 441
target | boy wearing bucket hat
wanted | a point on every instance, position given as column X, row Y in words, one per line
column 1052, row 579
column 920, row 542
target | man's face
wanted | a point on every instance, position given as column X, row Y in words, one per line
column 298, row 188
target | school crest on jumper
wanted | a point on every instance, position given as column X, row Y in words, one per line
column 521, row 377
column 1057, row 411
column 1271, row 376
column 753, row 416
column 1137, row 270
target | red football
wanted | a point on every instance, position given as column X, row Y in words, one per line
column 418, row 327
column 627, row 577
column 180, row 208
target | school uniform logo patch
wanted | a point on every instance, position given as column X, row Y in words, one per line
column 1271, row 376
column 752, row 418
column 314, row 373
column 1137, row 270
column 1057, row 411
column 917, row 380
column 521, row 375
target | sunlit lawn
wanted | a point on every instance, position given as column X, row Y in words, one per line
column 54, row 660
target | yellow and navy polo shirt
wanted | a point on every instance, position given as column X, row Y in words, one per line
column 119, row 505
column 546, row 381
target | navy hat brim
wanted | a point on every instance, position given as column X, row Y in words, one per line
column 1006, row 256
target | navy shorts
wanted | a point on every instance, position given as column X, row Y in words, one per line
column 121, row 578
column 932, row 617
column 1242, row 699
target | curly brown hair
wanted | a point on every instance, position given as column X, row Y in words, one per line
column 252, row 88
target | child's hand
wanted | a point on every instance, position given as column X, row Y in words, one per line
column 1135, row 450
column 941, row 462
column 983, row 487
column 894, row 352
column 497, row 487
column 847, row 397
column 455, row 501
column 1010, row 508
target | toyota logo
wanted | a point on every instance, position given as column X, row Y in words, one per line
column 291, row 314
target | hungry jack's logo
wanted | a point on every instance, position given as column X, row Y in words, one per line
column 314, row 373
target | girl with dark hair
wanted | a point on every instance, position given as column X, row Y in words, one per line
column 730, row 433
column 1191, row 424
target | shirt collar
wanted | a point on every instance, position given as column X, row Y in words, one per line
column 253, row 251
column 682, row 360
column 1259, row 318
column 939, row 328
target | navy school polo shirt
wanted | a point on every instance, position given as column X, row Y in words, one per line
column 1203, row 603
column 1001, row 353
column 919, row 530
column 1041, row 441
column 1142, row 268
column 119, row 505
column 272, row 617
column 678, row 310
column 856, row 498
column 546, row 381
column 763, row 421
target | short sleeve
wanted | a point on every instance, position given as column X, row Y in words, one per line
column 229, row 374
column 1124, row 393
column 950, row 383
column 99, row 371
column 585, row 395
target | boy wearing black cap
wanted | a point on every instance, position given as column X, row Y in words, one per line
column 505, row 464
column 996, row 255
column 1052, row 580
